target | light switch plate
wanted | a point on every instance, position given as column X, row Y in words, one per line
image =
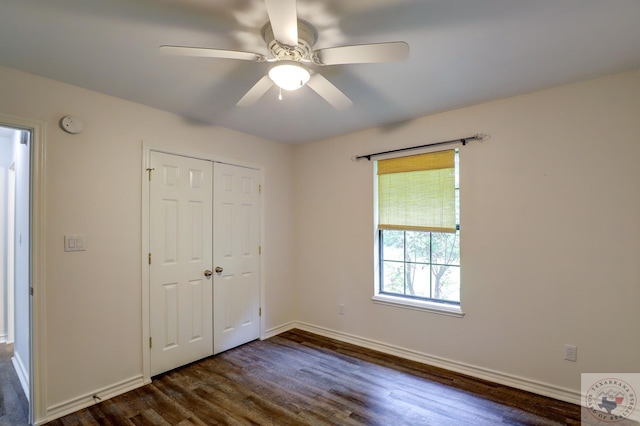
column 74, row 242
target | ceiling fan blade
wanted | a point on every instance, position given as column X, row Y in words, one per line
column 283, row 16
column 212, row 53
column 256, row 92
column 329, row 92
column 394, row 51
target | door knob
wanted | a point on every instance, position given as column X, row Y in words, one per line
column 208, row 273
column 218, row 270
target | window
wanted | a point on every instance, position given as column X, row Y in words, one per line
column 419, row 232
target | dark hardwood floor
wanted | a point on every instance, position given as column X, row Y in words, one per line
column 298, row 378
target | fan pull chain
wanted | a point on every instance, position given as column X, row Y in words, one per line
column 280, row 95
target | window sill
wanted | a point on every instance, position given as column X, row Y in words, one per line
column 419, row 305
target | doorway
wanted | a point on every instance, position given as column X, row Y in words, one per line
column 202, row 280
column 15, row 280
column 29, row 245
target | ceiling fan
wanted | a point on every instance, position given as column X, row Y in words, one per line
column 290, row 41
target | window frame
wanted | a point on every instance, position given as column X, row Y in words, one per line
column 448, row 308
column 404, row 262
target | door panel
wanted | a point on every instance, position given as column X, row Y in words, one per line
column 180, row 242
column 236, row 244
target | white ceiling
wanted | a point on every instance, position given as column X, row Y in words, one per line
column 462, row 52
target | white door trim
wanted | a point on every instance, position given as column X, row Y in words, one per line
column 146, row 153
column 37, row 270
column 11, row 223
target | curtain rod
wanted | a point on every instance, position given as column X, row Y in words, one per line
column 476, row 137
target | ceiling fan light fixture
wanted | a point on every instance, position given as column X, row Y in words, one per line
column 289, row 75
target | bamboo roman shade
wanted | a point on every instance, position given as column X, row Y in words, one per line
column 418, row 192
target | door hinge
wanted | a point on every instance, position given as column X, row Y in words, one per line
column 150, row 342
column 150, row 171
column 260, row 189
column 259, row 312
column 31, row 291
column 259, row 249
column 149, row 258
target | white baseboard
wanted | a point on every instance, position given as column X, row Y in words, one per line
column 87, row 400
column 22, row 372
column 3, row 338
column 517, row 382
column 278, row 330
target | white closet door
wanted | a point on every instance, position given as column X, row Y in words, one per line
column 180, row 254
column 236, row 256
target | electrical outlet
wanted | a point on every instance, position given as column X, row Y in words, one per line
column 341, row 309
column 570, row 353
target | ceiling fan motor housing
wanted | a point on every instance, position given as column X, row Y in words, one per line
column 307, row 37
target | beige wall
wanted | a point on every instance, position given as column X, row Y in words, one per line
column 550, row 238
column 93, row 186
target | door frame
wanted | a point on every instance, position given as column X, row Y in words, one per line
column 11, row 252
column 37, row 332
column 146, row 158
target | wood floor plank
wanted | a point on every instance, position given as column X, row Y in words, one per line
column 150, row 418
column 203, row 409
column 109, row 413
column 298, row 378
